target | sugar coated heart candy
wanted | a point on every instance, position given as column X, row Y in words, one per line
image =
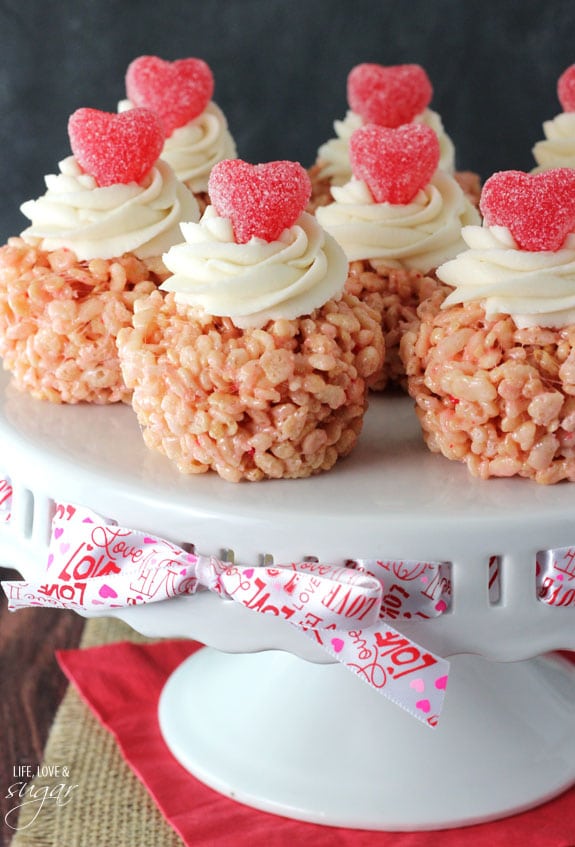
column 388, row 95
column 566, row 89
column 115, row 148
column 538, row 209
column 394, row 163
column 177, row 91
column 260, row 200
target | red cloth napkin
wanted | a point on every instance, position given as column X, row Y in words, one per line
column 121, row 684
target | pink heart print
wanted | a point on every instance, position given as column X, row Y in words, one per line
column 176, row 91
column 107, row 591
column 417, row 685
column 337, row 644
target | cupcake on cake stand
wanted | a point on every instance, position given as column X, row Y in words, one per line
column 263, row 714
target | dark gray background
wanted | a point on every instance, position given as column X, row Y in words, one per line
column 280, row 68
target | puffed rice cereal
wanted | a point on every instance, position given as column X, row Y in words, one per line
column 395, row 294
column 284, row 401
column 59, row 318
column 499, row 398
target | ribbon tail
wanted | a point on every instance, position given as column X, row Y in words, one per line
column 392, row 664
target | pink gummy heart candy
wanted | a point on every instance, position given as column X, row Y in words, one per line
column 177, row 91
column 260, row 200
column 566, row 89
column 394, row 163
column 388, row 96
column 115, row 148
column 538, row 209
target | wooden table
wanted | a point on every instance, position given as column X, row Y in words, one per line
column 31, row 686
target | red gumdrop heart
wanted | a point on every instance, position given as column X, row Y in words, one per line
column 260, row 200
column 566, row 89
column 176, row 91
column 538, row 209
column 394, row 163
column 115, row 148
column 388, row 96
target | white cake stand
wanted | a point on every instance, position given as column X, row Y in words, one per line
column 262, row 714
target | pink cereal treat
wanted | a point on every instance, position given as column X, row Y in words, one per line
column 496, row 390
column 282, row 396
column 65, row 288
column 59, row 319
column 397, row 167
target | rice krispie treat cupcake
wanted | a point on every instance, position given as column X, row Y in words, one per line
column 93, row 246
column 557, row 150
column 251, row 360
column 388, row 96
column 196, row 129
column 397, row 219
column 493, row 370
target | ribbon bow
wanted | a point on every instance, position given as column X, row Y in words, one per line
column 93, row 563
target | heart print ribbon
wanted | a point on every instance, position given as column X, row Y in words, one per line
column 94, row 565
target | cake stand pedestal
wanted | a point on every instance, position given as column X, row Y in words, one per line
column 263, row 714
column 313, row 743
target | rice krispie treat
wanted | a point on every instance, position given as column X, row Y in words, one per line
column 397, row 219
column 492, row 371
column 388, row 96
column 93, row 246
column 557, row 150
column 196, row 129
column 251, row 360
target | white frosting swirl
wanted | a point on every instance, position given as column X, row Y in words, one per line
column 333, row 155
column 258, row 281
column 419, row 235
column 193, row 149
column 558, row 148
column 103, row 222
column 535, row 288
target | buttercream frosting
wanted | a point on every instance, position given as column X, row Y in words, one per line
column 535, row 288
column 258, row 281
column 103, row 222
column 557, row 150
column 419, row 235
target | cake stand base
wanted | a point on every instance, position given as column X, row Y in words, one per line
column 314, row 743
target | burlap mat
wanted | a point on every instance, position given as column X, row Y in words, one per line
column 110, row 807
